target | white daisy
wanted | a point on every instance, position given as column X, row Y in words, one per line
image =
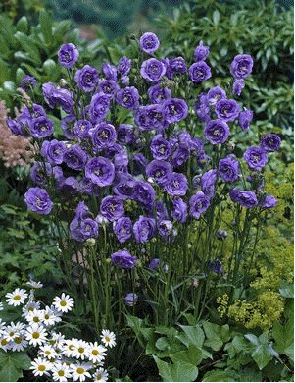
column 36, row 334
column 80, row 371
column 19, row 343
column 2, row 326
column 40, row 366
column 100, row 375
column 47, row 351
column 81, row 350
column 49, row 317
column 57, row 339
column 12, row 330
column 34, row 316
column 69, row 347
column 34, row 285
column 64, row 304
column 30, row 306
column 5, row 344
column 108, row 338
column 17, row 297
column 96, row 352
column 61, row 372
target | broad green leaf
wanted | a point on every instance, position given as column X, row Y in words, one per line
column 22, row 25
column 212, row 331
column 22, row 360
column 287, row 290
column 216, row 18
column 11, row 366
column 193, row 355
column 19, row 75
column 183, row 372
column 194, row 334
column 219, row 376
column 164, row 369
column 162, row 344
column 46, row 27
column 253, row 339
column 261, row 355
column 28, row 47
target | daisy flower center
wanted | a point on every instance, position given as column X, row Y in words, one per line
column 80, row 370
column 18, row 340
column 108, row 339
column 95, row 352
column 35, row 335
column 17, row 298
column 41, row 367
column 63, row 303
column 80, row 350
column 3, row 342
column 46, row 316
column 61, row 373
column 36, row 319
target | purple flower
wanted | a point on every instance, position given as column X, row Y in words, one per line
column 131, row 299
column 216, row 266
column 151, row 117
column 247, row 199
column 201, row 52
column 179, row 210
column 175, row 110
column 176, row 66
column 75, row 158
column 103, row 135
column 28, row 83
column 109, row 71
column 53, row 151
column 215, row 94
column 144, row 194
column 179, row 155
column 112, row 208
column 245, row 118
column 165, row 228
column 158, row 94
column 126, row 134
column 152, row 70
column 149, row 42
column 160, row 171
column 227, row 110
column 124, row 259
column 99, row 106
column 67, row 125
column 38, row 201
column 154, row 263
column 199, row 71
column 216, row 132
column 16, row 128
column 86, row 78
column 160, row 147
column 162, row 212
column 62, row 97
column 40, row 173
column 241, row 66
column 81, row 128
column 199, row 203
column 237, row 87
column 67, row 55
column 125, row 184
column 138, row 163
column 108, row 87
column 121, row 161
column 208, row 182
column 229, row 168
column 176, row 185
column 268, row 201
column 41, row 127
column 100, row 170
column 124, row 66
column 256, row 157
column 144, row 229
column 123, row 229
column 271, row 142
column 83, row 228
column 128, row 97
column 202, row 107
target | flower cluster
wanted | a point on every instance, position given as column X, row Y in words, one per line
column 152, row 162
column 56, row 357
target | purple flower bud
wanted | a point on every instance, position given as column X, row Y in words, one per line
column 245, row 118
column 86, row 78
column 128, row 97
column 199, row 203
column 175, row 110
column 177, row 184
column 237, row 87
column 241, row 66
column 40, row 173
column 179, row 210
column 201, row 52
column 100, row 170
column 38, row 201
column 67, row 55
column 125, row 184
column 28, row 83
column 199, row 71
column 123, row 229
column 16, row 128
column 179, row 155
column 271, row 142
column 144, row 229
column 154, row 263
column 83, row 229
column 124, row 259
column 216, row 132
column 99, row 107
column 152, row 70
column 256, row 157
column 247, row 199
column 229, row 168
column 227, row 110
column 165, row 228
column 112, row 208
column 268, row 201
column 216, row 266
column 221, row 234
column 149, row 42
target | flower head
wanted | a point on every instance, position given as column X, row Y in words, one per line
column 216, row 131
column 86, row 78
column 256, row 157
column 144, row 229
column 227, row 110
column 124, row 259
column 271, row 142
column 229, row 168
column 201, row 52
column 67, row 55
column 199, row 71
column 152, row 70
column 17, row 297
column 100, row 170
column 149, row 42
column 199, row 203
column 241, row 66
column 245, row 117
column 108, row 338
column 40, row 366
column 65, row 303
column 38, row 200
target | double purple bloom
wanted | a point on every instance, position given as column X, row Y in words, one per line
column 38, row 201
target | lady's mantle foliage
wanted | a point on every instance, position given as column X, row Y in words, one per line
column 151, row 163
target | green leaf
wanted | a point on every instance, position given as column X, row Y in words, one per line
column 216, row 18
column 29, row 47
column 287, row 290
column 261, row 355
column 50, row 68
column 253, row 339
column 219, row 376
column 194, row 334
column 212, row 331
column 46, row 27
column 22, row 25
column 22, row 360
column 193, row 355
column 162, row 344
column 19, row 75
column 176, row 372
column 10, row 362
